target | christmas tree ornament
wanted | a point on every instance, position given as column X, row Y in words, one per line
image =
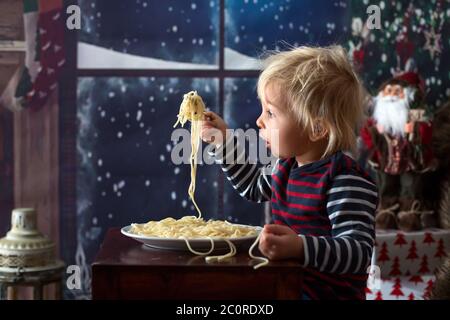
column 432, row 42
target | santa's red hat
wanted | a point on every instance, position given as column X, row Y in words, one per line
column 412, row 79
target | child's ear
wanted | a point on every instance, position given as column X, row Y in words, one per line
column 319, row 130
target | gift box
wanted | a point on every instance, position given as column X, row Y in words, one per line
column 415, row 287
column 410, row 253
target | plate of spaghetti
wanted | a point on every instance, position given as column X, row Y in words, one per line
column 192, row 233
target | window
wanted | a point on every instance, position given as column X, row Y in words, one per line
column 135, row 59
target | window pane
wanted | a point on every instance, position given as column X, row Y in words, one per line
column 241, row 110
column 149, row 34
column 254, row 26
column 125, row 171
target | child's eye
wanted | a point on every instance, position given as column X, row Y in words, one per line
column 270, row 113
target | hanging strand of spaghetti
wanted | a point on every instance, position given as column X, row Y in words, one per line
column 196, row 252
column 264, row 261
column 192, row 109
column 230, row 254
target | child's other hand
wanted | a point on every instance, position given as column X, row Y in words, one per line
column 280, row 242
column 213, row 128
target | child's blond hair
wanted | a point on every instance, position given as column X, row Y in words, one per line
column 319, row 84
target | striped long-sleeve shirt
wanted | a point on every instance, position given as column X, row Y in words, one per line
column 331, row 205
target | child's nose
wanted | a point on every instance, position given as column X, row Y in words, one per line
column 260, row 123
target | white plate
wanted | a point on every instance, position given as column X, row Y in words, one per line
column 196, row 244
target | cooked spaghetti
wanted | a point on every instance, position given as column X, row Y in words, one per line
column 192, row 109
column 190, row 227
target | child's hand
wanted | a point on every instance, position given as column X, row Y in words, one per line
column 213, row 128
column 280, row 242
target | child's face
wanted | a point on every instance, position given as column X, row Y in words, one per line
column 283, row 135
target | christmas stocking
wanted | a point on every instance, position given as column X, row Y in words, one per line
column 44, row 57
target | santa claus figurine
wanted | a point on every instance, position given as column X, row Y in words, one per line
column 397, row 137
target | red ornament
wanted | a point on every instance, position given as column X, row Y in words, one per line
column 412, row 253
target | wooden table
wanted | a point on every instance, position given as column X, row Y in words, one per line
column 125, row 269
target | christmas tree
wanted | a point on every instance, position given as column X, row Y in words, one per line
column 411, row 296
column 428, row 238
column 424, row 265
column 428, row 290
column 379, row 296
column 412, row 253
column 400, row 239
column 395, row 269
column 416, row 279
column 397, row 291
column 383, row 255
column 440, row 252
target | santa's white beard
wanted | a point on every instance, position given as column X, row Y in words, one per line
column 392, row 113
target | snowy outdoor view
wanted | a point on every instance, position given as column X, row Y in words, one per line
column 144, row 34
column 150, row 34
column 125, row 173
